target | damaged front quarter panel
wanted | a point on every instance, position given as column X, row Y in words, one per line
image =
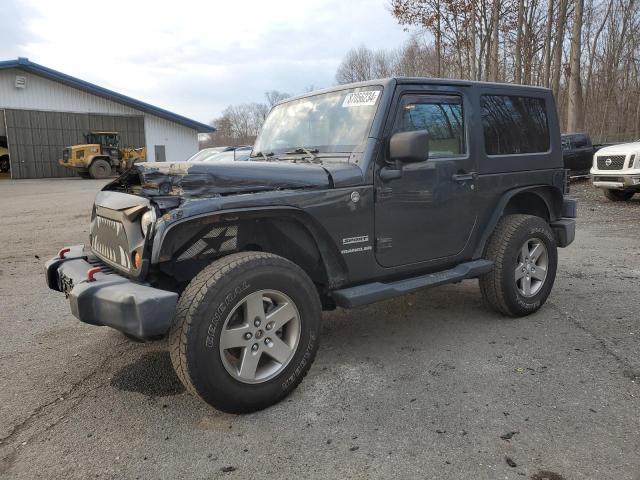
column 199, row 195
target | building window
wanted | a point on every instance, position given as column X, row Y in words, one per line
column 160, row 153
column 514, row 125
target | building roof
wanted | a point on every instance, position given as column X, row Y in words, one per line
column 31, row 67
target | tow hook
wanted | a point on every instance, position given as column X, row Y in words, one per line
column 91, row 272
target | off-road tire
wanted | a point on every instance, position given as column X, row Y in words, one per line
column 498, row 287
column 618, row 195
column 202, row 309
column 100, row 169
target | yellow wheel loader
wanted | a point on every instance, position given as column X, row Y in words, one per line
column 101, row 156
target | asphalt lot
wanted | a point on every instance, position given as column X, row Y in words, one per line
column 432, row 385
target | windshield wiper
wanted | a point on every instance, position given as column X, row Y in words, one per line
column 300, row 150
column 263, row 155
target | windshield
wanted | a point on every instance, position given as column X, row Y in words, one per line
column 106, row 140
column 337, row 121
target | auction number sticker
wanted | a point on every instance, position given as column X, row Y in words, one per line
column 361, row 99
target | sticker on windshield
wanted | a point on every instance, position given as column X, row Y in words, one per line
column 361, row 99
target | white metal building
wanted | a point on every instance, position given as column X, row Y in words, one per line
column 42, row 111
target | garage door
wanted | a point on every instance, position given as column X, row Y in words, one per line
column 36, row 139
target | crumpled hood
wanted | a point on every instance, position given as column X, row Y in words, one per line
column 223, row 178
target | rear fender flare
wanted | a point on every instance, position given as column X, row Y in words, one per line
column 551, row 196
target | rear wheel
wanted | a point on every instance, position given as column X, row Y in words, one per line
column 619, row 195
column 246, row 331
column 525, row 258
column 100, row 169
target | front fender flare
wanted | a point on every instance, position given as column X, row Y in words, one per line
column 333, row 262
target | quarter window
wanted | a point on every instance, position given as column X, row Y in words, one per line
column 514, row 125
column 441, row 116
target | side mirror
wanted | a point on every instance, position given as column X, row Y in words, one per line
column 409, row 147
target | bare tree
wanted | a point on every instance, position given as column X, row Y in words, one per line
column 274, row 96
column 575, row 118
column 356, row 66
column 561, row 21
column 594, row 42
column 537, row 42
column 384, row 63
column 518, row 46
column 494, row 50
column 546, row 81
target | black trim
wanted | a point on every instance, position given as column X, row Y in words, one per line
column 569, row 208
column 564, row 230
column 376, row 291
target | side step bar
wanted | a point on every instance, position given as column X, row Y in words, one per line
column 376, row 291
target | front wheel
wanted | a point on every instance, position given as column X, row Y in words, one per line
column 246, row 331
column 100, row 169
column 525, row 258
column 619, row 195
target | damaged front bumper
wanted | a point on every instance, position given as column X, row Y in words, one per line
column 109, row 299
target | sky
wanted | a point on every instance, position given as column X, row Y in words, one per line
column 196, row 57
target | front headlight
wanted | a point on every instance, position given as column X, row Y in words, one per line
column 147, row 221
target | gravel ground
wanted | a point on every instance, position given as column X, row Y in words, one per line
column 431, row 385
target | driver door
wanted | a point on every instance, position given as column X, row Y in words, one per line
column 428, row 213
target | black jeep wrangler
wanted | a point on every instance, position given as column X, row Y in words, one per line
column 354, row 194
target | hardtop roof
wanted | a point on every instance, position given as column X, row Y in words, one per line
column 384, row 82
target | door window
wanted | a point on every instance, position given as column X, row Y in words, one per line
column 441, row 116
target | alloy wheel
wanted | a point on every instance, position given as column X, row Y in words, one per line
column 531, row 267
column 260, row 336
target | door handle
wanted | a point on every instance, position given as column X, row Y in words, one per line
column 464, row 177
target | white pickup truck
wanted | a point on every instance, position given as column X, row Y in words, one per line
column 616, row 169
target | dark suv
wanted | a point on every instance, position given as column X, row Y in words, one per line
column 353, row 195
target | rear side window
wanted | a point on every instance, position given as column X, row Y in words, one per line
column 514, row 124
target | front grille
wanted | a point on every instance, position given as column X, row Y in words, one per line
column 66, row 153
column 109, row 242
column 611, row 162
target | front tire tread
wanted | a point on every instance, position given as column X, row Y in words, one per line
column 203, row 285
